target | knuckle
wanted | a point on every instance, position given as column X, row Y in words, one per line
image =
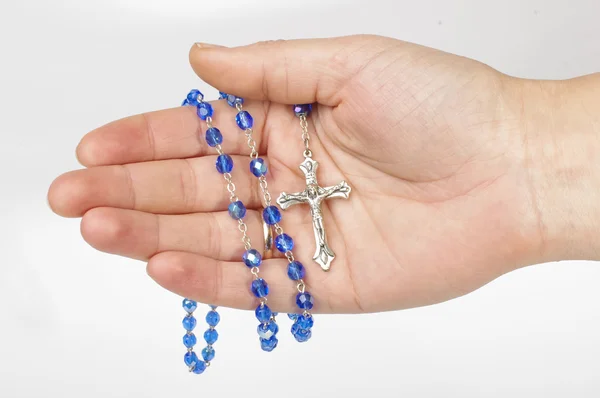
column 270, row 43
column 215, row 236
column 187, row 181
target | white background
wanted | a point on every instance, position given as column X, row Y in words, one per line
column 78, row 323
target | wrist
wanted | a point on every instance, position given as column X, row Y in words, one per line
column 561, row 135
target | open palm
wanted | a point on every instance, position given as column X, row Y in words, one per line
column 430, row 143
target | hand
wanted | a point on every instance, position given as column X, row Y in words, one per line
column 449, row 176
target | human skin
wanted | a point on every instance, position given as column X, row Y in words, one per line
column 459, row 174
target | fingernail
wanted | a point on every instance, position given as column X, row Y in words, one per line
column 207, row 45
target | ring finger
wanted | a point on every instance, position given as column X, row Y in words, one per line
column 141, row 235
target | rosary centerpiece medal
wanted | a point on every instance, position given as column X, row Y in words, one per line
column 313, row 194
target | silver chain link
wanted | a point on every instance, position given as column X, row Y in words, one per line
column 289, row 255
column 278, row 228
column 265, row 190
column 230, row 187
column 301, row 286
column 305, row 136
column 245, row 238
column 251, row 143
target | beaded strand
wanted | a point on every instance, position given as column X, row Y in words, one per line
column 303, row 323
column 267, row 328
column 190, row 358
column 189, row 321
column 252, row 258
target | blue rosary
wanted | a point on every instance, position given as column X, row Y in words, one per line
column 252, row 258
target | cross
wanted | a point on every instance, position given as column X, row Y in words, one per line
column 314, row 195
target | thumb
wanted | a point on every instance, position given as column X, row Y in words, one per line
column 289, row 72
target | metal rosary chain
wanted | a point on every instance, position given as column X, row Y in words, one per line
column 307, row 154
column 253, row 155
column 301, row 286
column 242, row 226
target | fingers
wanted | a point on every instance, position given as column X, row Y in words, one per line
column 167, row 134
column 166, row 187
column 294, row 71
column 225, row 283
column 141, row 235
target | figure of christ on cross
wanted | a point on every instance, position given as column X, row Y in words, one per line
column 314, row 195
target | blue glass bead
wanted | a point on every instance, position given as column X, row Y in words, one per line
column 213, row 318
column 213, row 137
column 189, row 340
column 232, row 100
column 190, row 358
column 260, row 288
column 301, row 335
column 194, row 97
column 189, row 305
column 258, row 167
column 224, row 164
column 275, row 313
column 271, row 215
column 237, row 210
column 293, row 317
column 211, row 336
column 222, row 95
column 208, row 353
column 305, row 321
column 252, row 258
column 295, row 270
column 266, row 331
column 204, row 110
column 284, row 242
column 295, row 327
column 304, row 301
column 263, row 313
column 189, row 323
column 185, row 102
column 244, row 120
column 199, row 368
column 302, row 109
column 268, row 345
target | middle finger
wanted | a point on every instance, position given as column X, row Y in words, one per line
column 140, row 235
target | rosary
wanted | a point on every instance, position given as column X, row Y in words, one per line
column 313, row 195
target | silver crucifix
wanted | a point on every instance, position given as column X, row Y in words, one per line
column 314, row 195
